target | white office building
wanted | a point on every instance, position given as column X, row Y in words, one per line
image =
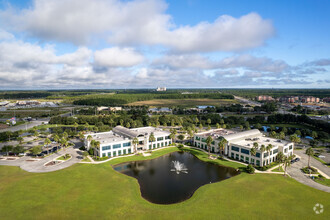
column 239, row 145
column 119, row 141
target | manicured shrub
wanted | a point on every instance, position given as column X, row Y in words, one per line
column 250, row 169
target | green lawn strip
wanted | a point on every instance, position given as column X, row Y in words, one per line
column 97, row 191
column 322, row 181
column 278, row 169
column 86, row 159
column 64, row 158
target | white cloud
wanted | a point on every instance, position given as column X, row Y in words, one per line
column 254, row 63
column 185, row 61
column 4, row 35
column 142, row 22
column 117, row 57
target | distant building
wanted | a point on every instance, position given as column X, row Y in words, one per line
column 309, row 99
column 302, row 99
column 113, row 109
column 239, row 145
column 326, row 99
column 119, row 141
column 27, row 103
column 161, row 89
column 160, row 110
column 4, row 103
column 264, row 98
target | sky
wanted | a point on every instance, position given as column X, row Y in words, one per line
column 122, row 44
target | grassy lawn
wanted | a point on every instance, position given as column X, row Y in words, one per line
column 323, row 181
column 90, row 191
column 278, row 169
column 64, row 158
column 86, row 159
column 184, row 102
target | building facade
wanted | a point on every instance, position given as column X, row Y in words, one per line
column 119, row 141
column 239, row 145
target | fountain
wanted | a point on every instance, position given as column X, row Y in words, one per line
column 179, row 167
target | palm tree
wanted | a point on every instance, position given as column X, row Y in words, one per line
column 152, row 138
column 56, row 138
column 191, row 134
column 135, row 143
column 253, row 151
column 294, row 138
column 280, row 157
column 222, row 144
column 20, row 139
column 173, row 133
column 255, row 145
column 111, row 122
column 310, row 153
column 268, row 149
column 89, row 139
column 97, row 145
column 47, row 141
column 75, row 126
column 262, row 149
column 81, row 135
column 209, row 141
column 287, row 163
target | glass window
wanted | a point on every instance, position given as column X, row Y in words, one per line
column 149, row 146
column 124, row 151
column 114, row 153
column 106, row 147
column 115, row 146
column 103, row 155
column 265, row 154
column 154, row 146
column 109, row 154
column 162, row 144
column 244, row 151
column 119, row 152
column 235, row 148
column 157, row 145
column 275, row 151
column 258, row 155
column 290, row 147
column 247, row 159
column 127, row 144
column 237, row 156
column 129, row 151
column 242, row 158
column 258, row 162
column 160, row 138
column 232, row 155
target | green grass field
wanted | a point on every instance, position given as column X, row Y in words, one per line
column 184, row 102
column 89, row 191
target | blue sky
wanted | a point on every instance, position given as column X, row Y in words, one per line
column 63, row 44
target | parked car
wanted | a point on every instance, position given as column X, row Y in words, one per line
column 321, row 156
column 297, row 159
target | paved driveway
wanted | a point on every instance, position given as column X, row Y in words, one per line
column 315, row 163
column 38, row 166
column 295, row 172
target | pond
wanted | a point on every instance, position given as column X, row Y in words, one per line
column 161, row 184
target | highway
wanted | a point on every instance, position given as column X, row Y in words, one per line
column 27, row 125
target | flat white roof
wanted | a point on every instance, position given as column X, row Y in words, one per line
column 248, row 143
column 107, row 137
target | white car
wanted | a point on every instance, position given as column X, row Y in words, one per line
column 321, row 156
